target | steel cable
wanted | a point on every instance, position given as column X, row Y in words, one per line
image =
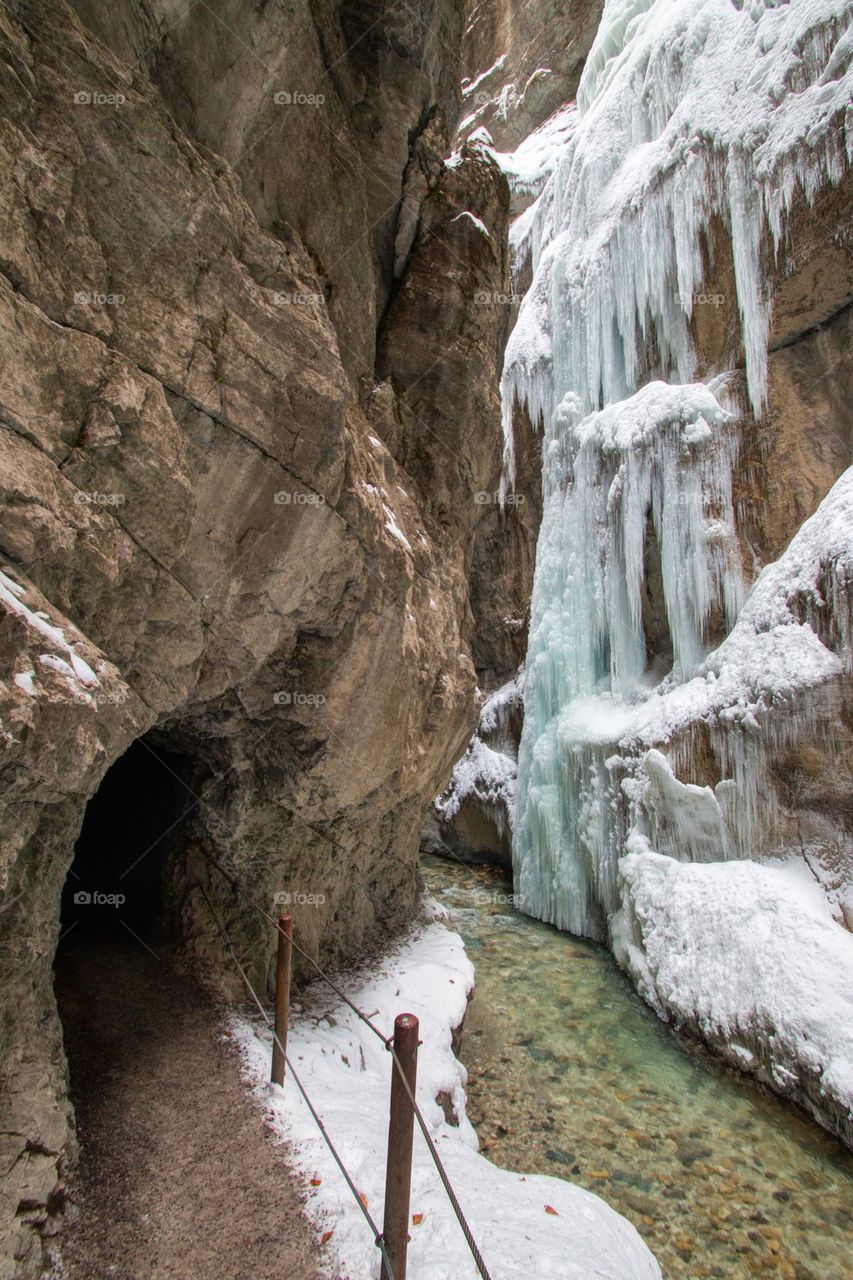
column 389, row 1045
column 377, row 1234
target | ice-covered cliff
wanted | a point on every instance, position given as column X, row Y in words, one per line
column 682, row 248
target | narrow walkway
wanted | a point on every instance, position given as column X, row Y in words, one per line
column 178, row 1178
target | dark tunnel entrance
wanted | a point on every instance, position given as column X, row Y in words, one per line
column 134, row 825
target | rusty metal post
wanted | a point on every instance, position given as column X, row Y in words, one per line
column 398, row 1171
column 282, row 997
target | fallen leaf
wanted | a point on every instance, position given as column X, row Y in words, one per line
column 316, row 1182
column 363, row 1198
column 548, row 1209
column 326, row 1237
column 417, row 1219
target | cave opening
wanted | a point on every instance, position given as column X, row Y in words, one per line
column 134, row 827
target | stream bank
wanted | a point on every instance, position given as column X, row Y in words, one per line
column 571, row 1074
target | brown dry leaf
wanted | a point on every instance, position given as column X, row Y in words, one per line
column 326, row 1237
column 363, row 1198
column 549, row 1209
column 316, row 1182
column 417, row 1219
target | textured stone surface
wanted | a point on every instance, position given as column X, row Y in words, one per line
column 258, row 539
column 544, row 47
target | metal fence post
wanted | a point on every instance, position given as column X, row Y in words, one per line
column 282, row 997
column 398, row 1172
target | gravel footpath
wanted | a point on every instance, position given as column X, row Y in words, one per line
column 178, row 1177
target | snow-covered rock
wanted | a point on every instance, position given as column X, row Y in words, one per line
column 476, row 811
column 747, row 957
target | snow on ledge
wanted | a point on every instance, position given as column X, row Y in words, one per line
column 346, row 1071
column 747, row 956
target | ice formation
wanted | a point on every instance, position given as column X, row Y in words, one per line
column 486, row 775
column 792, row 640
column 534, row 160
column 688, row 114
column 648, row 477
column 748, row 957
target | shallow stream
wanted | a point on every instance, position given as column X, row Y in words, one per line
column 571, row 1074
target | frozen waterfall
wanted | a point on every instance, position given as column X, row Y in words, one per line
column 690, row 114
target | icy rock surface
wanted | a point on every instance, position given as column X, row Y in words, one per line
column 748, row 957
column 792, row 639
column 688, row 114
column 657, row 465
column 486, row 775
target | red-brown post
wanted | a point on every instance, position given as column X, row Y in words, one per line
column 282, row 997
column 398, row 1172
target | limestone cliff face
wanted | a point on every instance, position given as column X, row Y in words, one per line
column 523, row 62
column 248, row 403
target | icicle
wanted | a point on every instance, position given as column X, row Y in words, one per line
column 665, row 455
column 688, row 114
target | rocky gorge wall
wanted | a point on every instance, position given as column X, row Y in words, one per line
column 250, row 434
column 253, row 331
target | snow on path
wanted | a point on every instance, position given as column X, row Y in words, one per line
column 535, row 1225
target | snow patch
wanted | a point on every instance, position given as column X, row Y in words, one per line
column 24, row 680
column 477, row 222
column 346, row 1071
column 70, row 664
column 393, row 528
column 486, row 775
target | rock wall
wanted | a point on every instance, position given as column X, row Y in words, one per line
column 523, row 62
column 238, row 299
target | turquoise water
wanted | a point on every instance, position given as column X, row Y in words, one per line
column 571, row 1074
